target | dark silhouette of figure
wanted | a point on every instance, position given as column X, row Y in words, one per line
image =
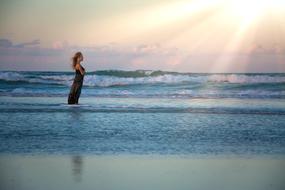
column 77, row 163
column 75, row 89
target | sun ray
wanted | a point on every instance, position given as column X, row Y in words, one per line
column 189, row 24
column 245, row 14
column 140, row 22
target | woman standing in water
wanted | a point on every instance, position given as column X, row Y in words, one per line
column 78, row 79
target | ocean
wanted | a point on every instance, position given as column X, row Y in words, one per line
column 145, row 84
column 143, row 112
column 142, row 130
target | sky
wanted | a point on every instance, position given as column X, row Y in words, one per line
column 185, row 36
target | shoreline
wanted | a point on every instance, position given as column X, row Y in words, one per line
column 148, row 156
column 140, row 172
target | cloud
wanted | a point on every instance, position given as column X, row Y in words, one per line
column 156, row 48
column 31, row 43
column 109, row 56
column 6, row 43
column 262, row 49
column 150, row 48
column 60, row 45
column 141, row 56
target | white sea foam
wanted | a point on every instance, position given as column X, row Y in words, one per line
column 57, row 77
column 106, row 81
column 241, row 78
column 11, row 76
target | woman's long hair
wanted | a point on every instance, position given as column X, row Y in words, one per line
column 74, row 58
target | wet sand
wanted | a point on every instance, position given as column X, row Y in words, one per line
column 140, row 172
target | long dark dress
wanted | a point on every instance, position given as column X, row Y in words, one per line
column 75, row 89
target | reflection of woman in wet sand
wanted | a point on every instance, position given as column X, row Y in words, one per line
column 77, row 162
column 75, row 90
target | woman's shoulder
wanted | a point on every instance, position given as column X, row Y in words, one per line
column 77, row 66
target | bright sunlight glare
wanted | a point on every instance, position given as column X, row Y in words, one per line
column 251, row 9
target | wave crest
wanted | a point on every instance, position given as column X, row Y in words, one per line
column 117, row 78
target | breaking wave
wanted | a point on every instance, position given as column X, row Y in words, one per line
column 118, row 78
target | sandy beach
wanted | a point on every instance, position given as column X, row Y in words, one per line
column 140, row 172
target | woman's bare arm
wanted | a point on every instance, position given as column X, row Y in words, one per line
column 78, row 66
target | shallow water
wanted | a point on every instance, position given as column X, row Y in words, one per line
column 142, row 126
